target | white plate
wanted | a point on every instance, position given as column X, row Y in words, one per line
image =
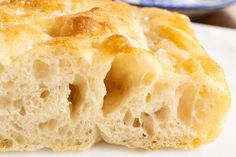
column 193, row 8
column 221, row 45
column 183, row 4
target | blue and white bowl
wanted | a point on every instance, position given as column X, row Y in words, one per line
column 189, row 7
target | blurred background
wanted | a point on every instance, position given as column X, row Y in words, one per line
column 224, row 17
column 213, row 12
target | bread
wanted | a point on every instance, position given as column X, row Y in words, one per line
column 73, row 73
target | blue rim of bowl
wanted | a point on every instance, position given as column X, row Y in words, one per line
column 190, row 7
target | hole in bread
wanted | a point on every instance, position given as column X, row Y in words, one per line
column 19, row 105
column 89, row 132
column 41, row 70
column 78, row 128
column 1, row 68
column 136, row 123
column 147, row 123
column 203, row 91
column 69, row 133
column 44, row 94
column 77, row 96
column 62, row 130
column 128, row 118
column 201, row 110
column 162, row 114
column 74, row 99
column 196, row 142
column 163, row 125
column 78, row 142
column 117, row 87
column 186, row 101
column 8, row 84
column 5, row 102
column 6, row 143
column 65, row 63
column 148, row 97
column 114, row 129
column 154, row 142
column 22, row 111
column 148, row 78
column 48, row 125
column 16, row 126
column 20, row 139
column 124, row 78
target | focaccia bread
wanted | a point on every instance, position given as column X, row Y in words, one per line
column 75, row 72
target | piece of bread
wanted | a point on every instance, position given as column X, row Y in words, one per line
column 73, row 73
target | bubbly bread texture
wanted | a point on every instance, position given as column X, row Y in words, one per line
column 75, row 72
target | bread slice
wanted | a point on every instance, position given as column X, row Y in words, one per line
column 73, row 73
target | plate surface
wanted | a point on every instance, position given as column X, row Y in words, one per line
column 184, row 4
column 221, row 45
column 193, row 8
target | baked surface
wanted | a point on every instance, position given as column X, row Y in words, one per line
column 74, row 72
